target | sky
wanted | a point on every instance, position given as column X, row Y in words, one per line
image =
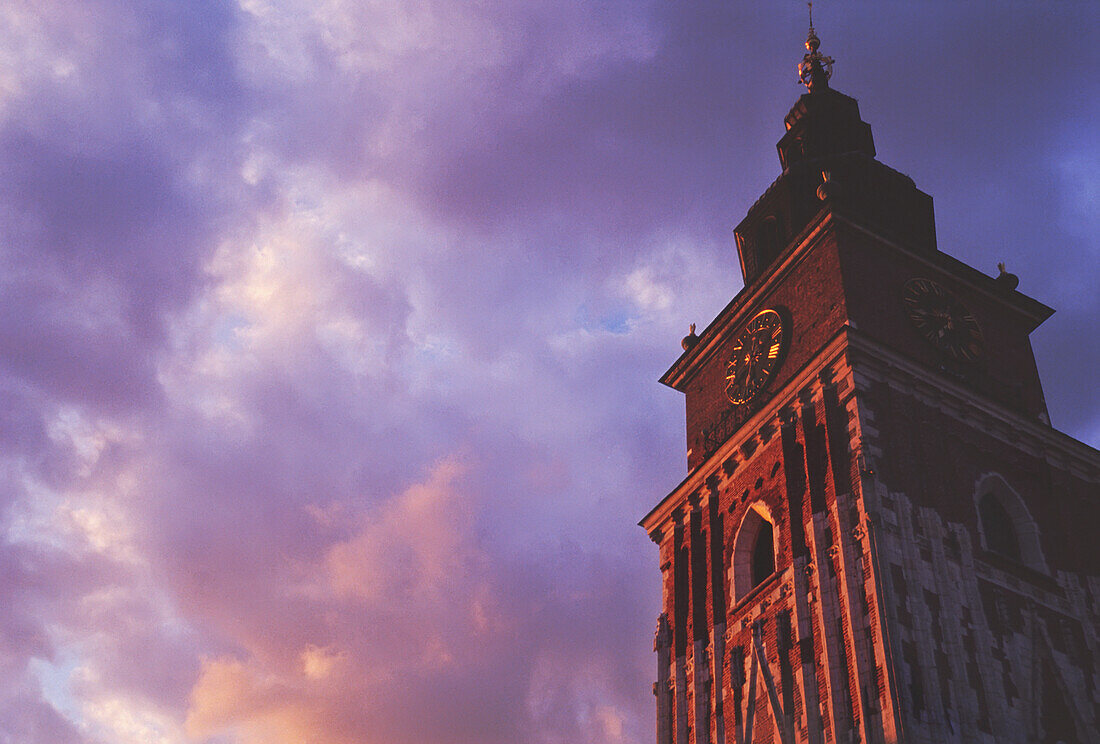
column 330, row 332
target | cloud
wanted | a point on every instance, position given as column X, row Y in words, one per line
column 329, row 332
column 411, row 550
column 432, row 634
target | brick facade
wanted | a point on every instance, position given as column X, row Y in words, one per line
column 933, row 559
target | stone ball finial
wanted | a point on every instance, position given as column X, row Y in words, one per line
column 1006, row 280
column 828, row 188
column 689, row 340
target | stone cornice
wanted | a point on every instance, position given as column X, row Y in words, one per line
column 849, row 351
column 873, row 361
column 760, row 428
column 751, row 295
column 748, row 297
column 968, row 275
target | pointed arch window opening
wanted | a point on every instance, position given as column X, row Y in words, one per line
column 753, row 561
column 1005, row 526
column 763, row 554
column 1000, row 533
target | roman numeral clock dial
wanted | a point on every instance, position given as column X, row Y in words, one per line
column 754, row 357
column 944, row 321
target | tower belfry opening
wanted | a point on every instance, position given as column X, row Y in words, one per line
column 880, row 537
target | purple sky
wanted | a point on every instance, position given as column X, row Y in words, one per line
column 330, row 331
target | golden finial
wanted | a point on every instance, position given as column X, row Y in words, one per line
column 815, row 69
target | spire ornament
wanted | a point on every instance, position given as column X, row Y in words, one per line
column 815, row 69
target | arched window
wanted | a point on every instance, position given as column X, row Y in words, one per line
column 753, row 551
column 1000, row 533
column 1005, row 525
column 763, row 554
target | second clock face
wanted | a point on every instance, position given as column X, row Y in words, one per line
column 942, row 319
column 754, row 357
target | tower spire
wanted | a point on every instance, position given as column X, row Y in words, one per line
column 815, row 69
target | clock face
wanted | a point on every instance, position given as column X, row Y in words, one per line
column 942, row 319
column 754, row 357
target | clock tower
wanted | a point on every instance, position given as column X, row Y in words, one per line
column 880, row 537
